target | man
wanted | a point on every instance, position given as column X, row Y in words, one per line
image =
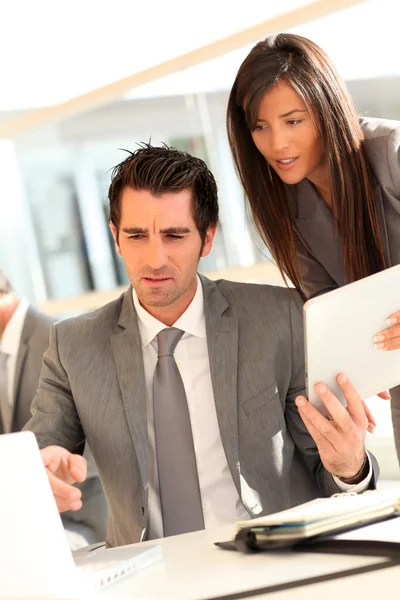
column 186, row 388
column 24, row 336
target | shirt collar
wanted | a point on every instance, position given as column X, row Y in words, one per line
column 192, row 321
column 11, row 338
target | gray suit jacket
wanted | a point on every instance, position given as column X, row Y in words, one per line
column 92, row 385
column 34, row 342
column 320, row 252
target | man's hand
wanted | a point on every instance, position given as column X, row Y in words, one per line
column 63, row 469
column 389, row 339
column 341, row 439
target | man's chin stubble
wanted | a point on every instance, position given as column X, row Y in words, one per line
column 152, row 300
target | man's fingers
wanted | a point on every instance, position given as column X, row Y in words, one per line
column 319, row 438
column 355, row 407
column 340, row 441
column 51, row 455
column 66, row 466
column 67, row 497
column 64, row 505
column 336, row 410
column 63, row 469
column 77, row 467
column 320, row 425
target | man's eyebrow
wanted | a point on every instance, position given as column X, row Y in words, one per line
column 168, row 230
column 133, row 230
column 175, row 230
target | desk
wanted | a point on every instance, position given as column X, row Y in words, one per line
column 193, row 569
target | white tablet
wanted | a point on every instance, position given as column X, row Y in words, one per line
column 339, row 331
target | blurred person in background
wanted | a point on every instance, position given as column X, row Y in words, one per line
column 323, row 185
column 24, row 337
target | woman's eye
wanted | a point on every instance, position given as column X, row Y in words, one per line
column 259, row 128
column 294, row 121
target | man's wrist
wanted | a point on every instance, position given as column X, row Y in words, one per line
column 362, row 473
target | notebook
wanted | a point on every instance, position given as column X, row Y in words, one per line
column 339, row 331
column 35, row 559
column 321, row 516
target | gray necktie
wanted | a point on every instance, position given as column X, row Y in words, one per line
column 5, row 407
column 177, row 469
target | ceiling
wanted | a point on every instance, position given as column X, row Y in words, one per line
column 362, row 41
column 60, row 58
column 53, row 50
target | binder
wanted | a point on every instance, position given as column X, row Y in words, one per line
column 327, row 524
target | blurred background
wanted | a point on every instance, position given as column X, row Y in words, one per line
column 83, row 80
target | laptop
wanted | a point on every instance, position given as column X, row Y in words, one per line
column 339, row 331
column 35, row 558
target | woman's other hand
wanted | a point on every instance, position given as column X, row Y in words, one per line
column 389, row 339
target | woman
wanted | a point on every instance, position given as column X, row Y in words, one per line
column 323, row 185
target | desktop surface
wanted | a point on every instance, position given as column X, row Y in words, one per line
column 193, row 569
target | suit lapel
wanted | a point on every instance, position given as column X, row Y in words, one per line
column 222, row 341
column 314, row 221
column 128, row 358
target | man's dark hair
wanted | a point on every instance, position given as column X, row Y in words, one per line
column 160, row 170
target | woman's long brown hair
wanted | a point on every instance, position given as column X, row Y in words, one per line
column 303, row 65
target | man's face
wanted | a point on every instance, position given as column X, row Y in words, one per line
column 161, row 247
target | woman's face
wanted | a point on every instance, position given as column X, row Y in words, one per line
column 287, row 138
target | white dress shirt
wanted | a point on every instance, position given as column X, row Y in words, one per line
column 220, row 499
column 10, row 342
